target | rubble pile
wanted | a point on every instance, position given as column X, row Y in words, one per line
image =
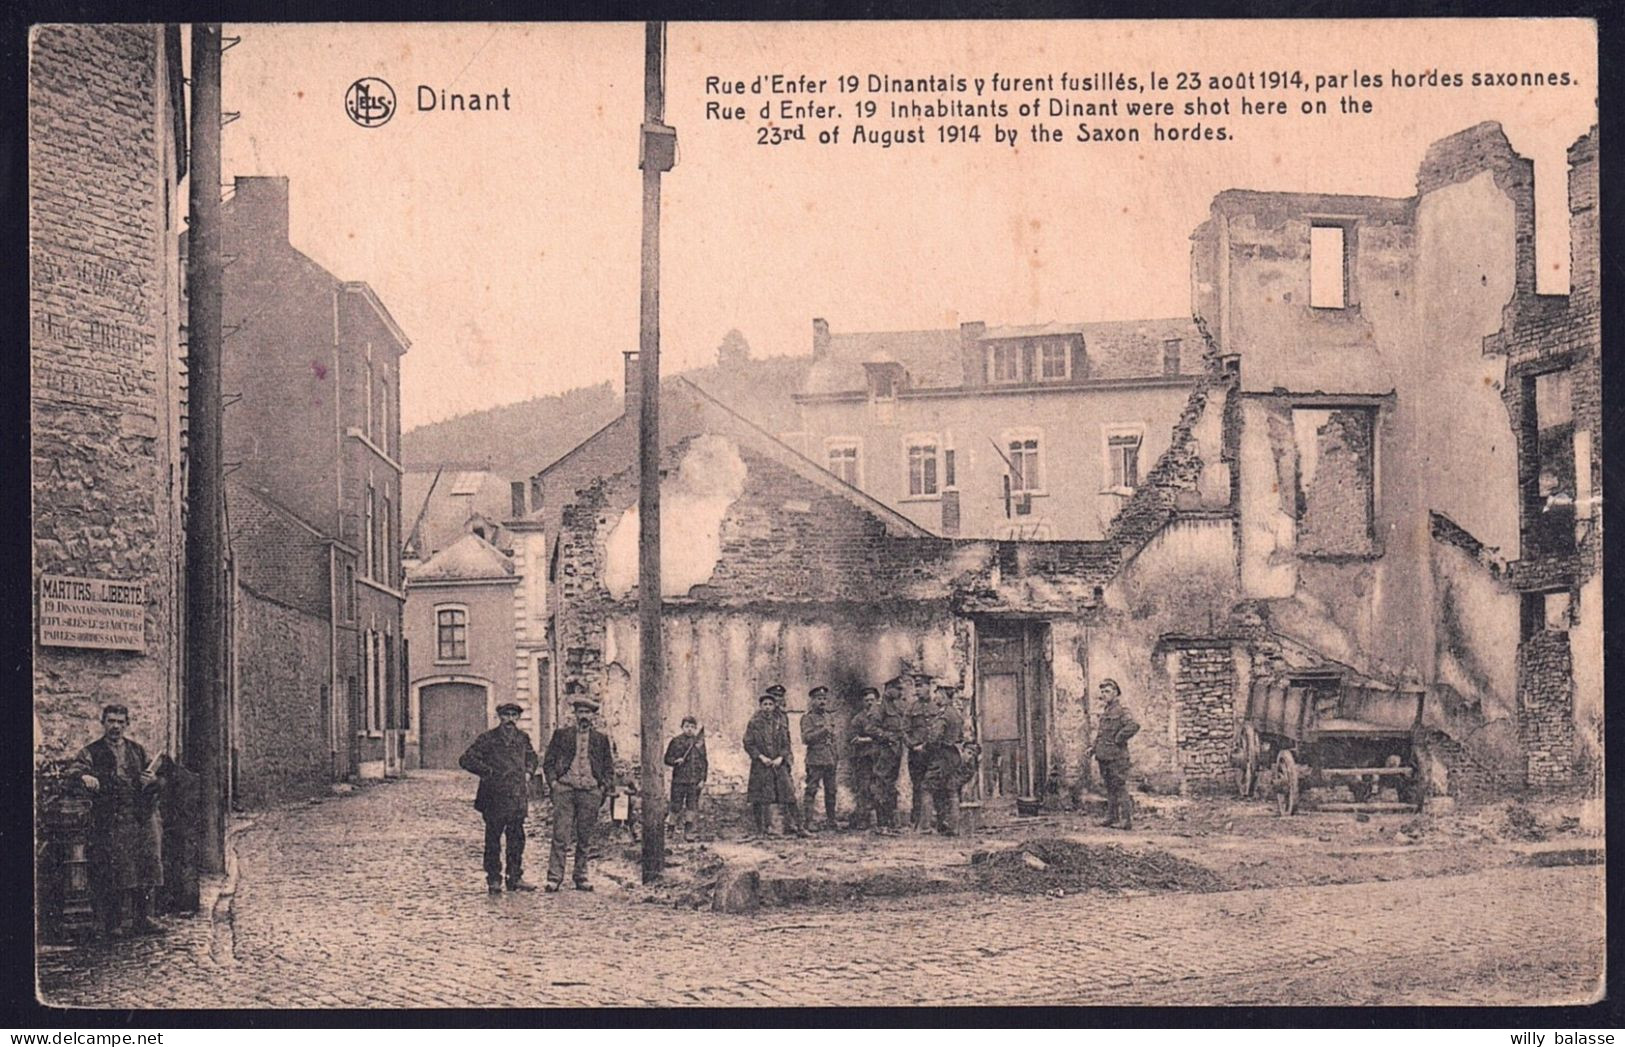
column 1049, row 866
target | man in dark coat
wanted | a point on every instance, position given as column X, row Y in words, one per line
column 124, row 853
column 505, row 760
column 685, row 755
column 943, row 773
column 861, row 734
column 818, row 735
column 918, row 717
column 1110, row 750
column 767, row 741
column 580, row 772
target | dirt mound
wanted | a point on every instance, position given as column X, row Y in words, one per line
column 1049, row 866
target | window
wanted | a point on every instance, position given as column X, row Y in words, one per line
column 1336, row 493
column 885, row 386
column 843, row 460
column 367, row 381
column 349, row 592
column 1123, row 459
column 1552, row 491
column 1054, row 360
column 1004, row 362
column 372, row 532
column 922, row 468
column 451, row 634
column 1171, row 348
column 1025, row 471
column 950, row 479
column 388, row 544
column 1328, row 266
column 381, row 436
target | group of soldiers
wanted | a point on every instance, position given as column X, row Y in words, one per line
column 929, row 732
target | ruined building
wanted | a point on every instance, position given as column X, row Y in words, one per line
column 1380, row 477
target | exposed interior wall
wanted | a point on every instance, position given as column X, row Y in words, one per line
column 281, row 736
column 718, row 662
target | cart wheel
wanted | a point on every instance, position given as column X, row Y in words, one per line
column 1286, row 783
column 1247, row 777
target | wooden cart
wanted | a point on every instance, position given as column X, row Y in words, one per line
column 1329, row 728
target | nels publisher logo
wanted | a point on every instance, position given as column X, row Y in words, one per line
column 370, row 101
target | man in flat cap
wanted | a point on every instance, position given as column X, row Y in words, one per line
column 504, row 759
column 918, row 717
column 1110, row 750
column 818, row 735
column 767, row 741
column 580, row 772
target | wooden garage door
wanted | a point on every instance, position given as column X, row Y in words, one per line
column 452, row 716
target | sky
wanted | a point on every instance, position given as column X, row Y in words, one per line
column 506, row 243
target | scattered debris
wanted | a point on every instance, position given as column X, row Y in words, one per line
column 1070, row 867
column 1521, row 824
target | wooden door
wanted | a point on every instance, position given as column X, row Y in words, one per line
column 1010, row 691
column 450, row 717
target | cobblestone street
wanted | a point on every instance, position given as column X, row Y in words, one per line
column 376, row 899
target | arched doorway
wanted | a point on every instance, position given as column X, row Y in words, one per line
column 450, row 716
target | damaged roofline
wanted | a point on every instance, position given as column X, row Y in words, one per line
column 1012, row 389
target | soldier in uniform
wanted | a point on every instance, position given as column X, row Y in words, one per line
column 1110, row 750
column 818, row 735
column 943, row 772
column 917, row 721
column 124, row 854
column 861, row 745
column 767, row 740
column 504, row 759
column 887, row 764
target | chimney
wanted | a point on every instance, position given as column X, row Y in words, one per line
column 633, row 393
column 259, row 208
column 820, row 338
column 536, row 492
column 972, row 356
column 516, row 493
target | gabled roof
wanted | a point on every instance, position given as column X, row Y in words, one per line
column 435, row 509
column 683, row 401
column 468, row 559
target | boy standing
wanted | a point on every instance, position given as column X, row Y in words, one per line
column 685, row 755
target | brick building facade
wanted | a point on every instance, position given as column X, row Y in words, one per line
column 311, row 373
column 106, row 153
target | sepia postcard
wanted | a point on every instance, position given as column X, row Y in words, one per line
column 824, row 514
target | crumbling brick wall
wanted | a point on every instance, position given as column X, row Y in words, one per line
column 1546, row 708
column 1205, row 716
column 1334, row 508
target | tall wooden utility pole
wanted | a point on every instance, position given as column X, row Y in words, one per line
column 657, row 154
column 206, row 739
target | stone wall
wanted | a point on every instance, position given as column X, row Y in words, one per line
column 1546, row 708
column 1205, row 716
column 105, row 390
column 280, row 730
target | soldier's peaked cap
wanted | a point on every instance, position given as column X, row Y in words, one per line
column 514, row 707
column 776, row 690
column 868, row 691
column 816, row 691
column 582, row 701
column 896, row 681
